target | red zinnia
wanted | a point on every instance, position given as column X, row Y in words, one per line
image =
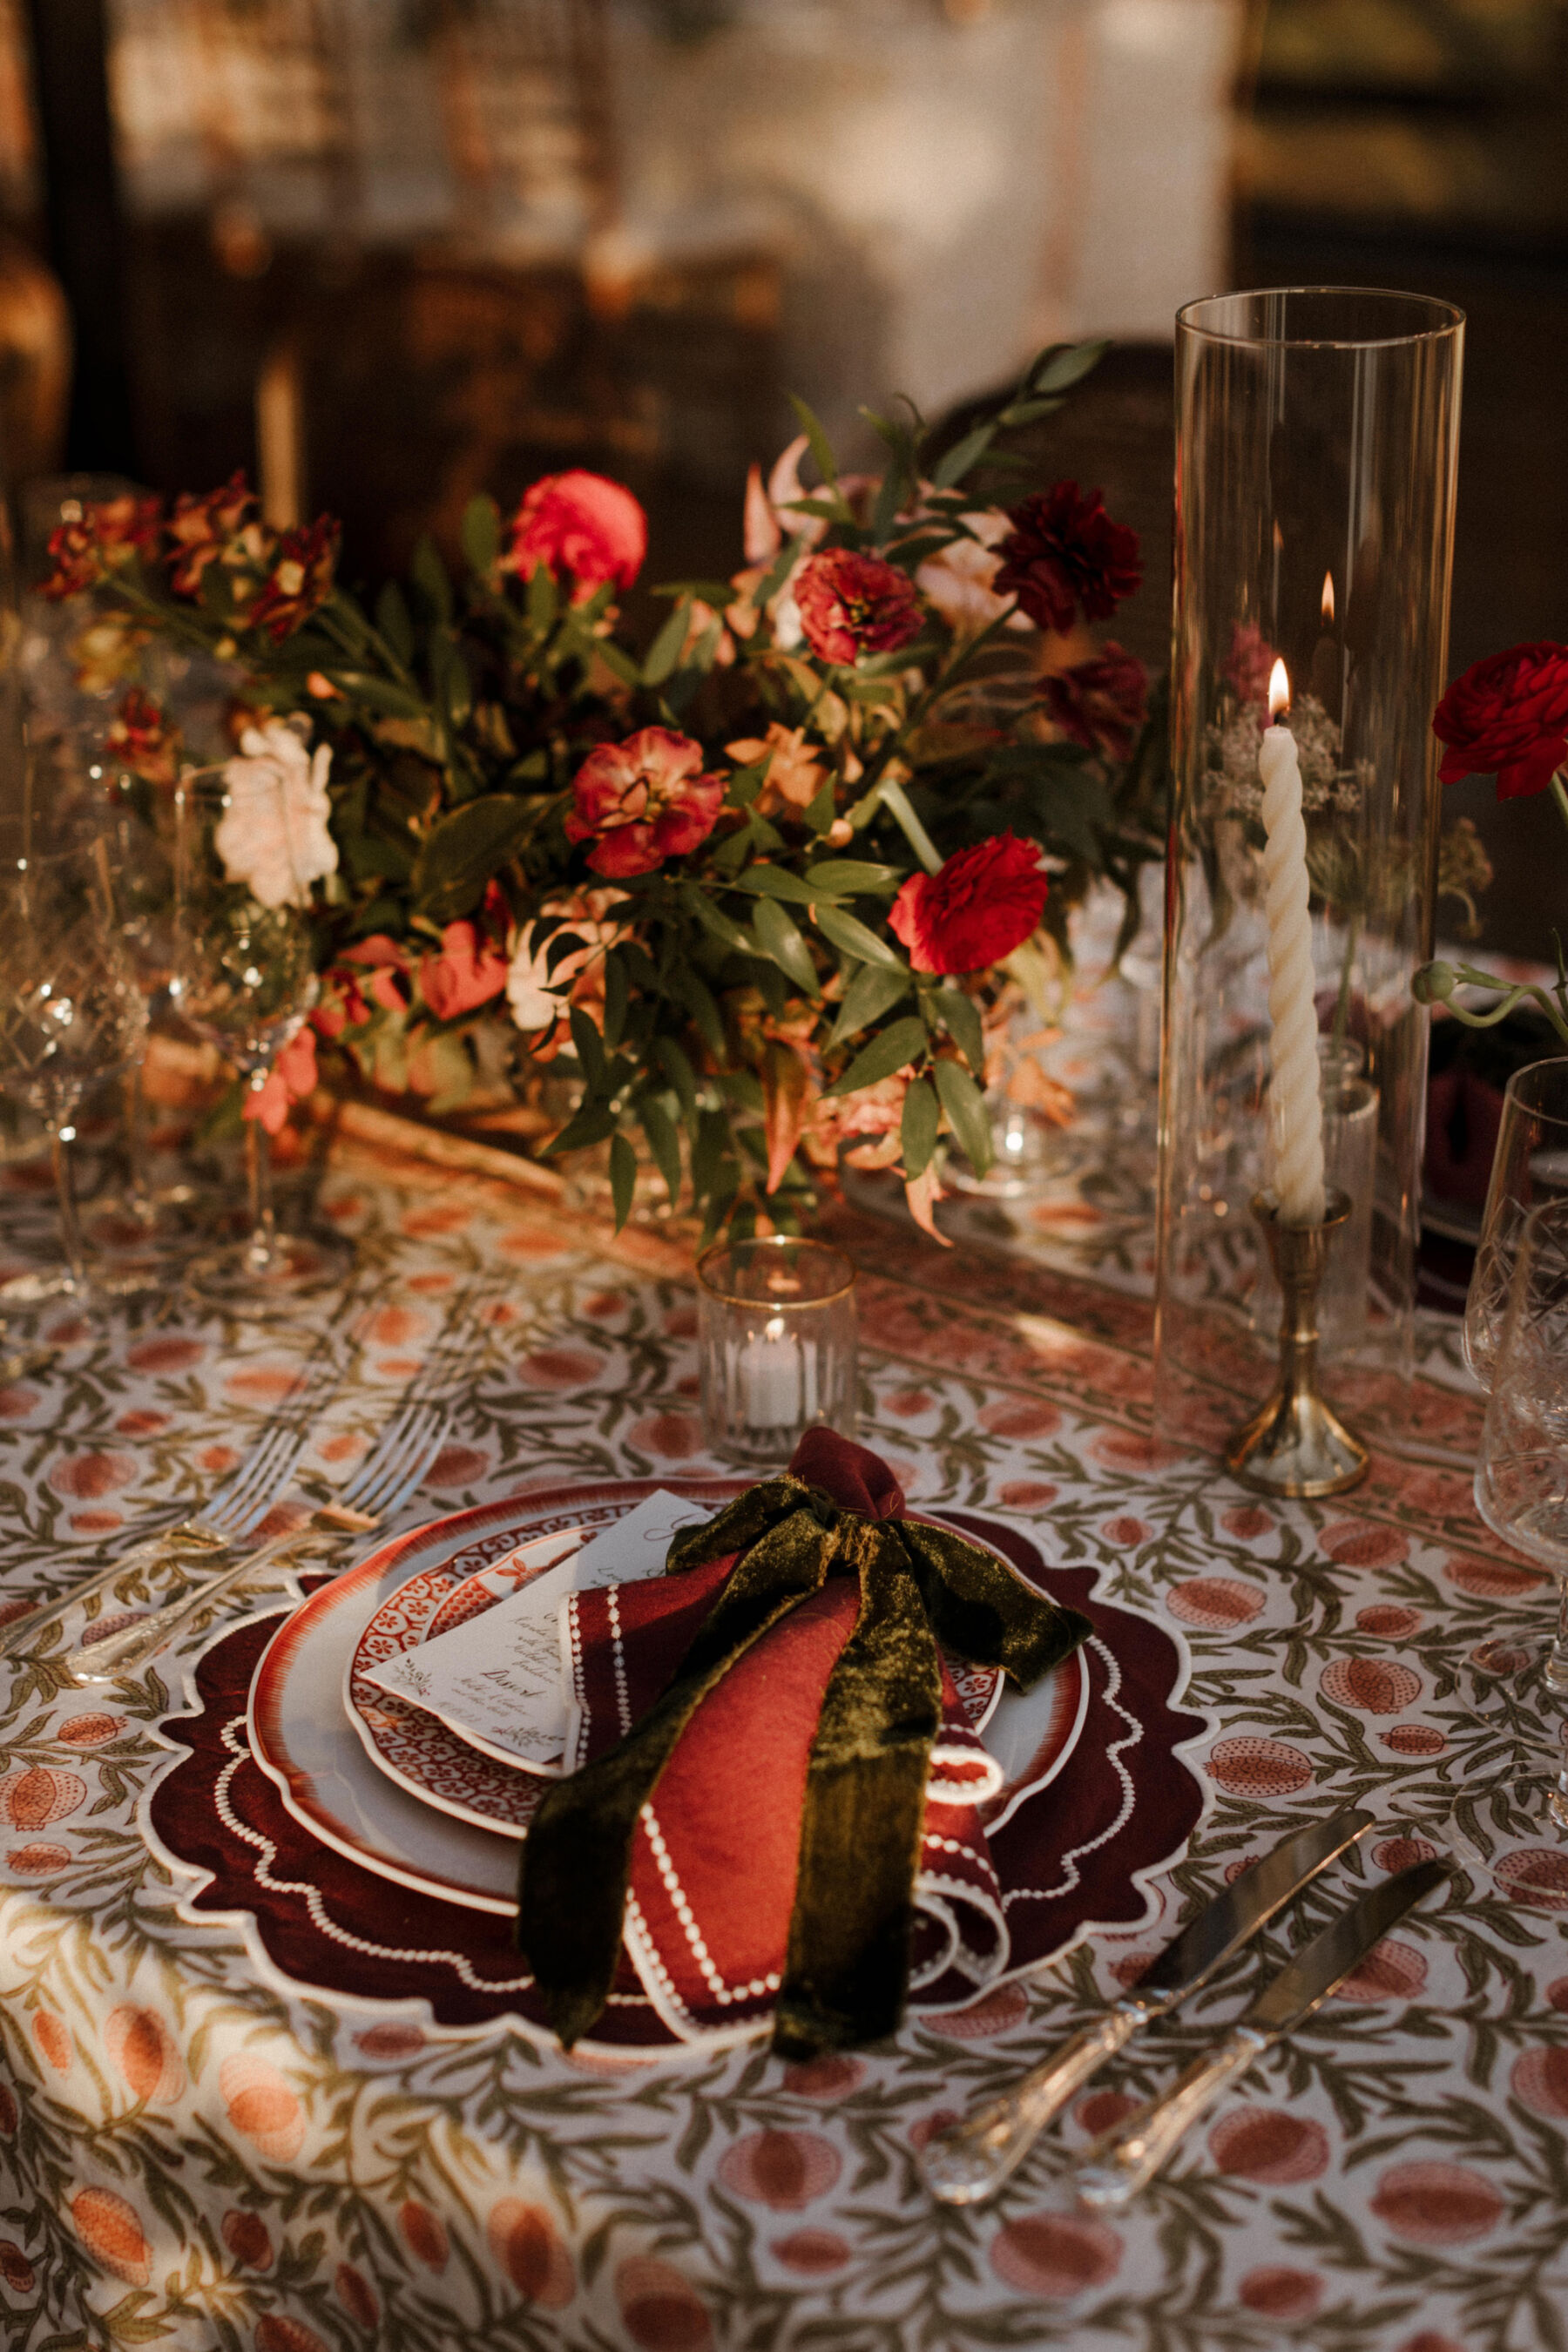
column 581, row 527
column 1064, row 553
column 645, row 799
column 852, row 604
column 982, row 904
column 1507, row 717
column 300, row 582
column 1099, row 703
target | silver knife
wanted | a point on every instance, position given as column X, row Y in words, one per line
column 1127, row 2159
column 973, row 2157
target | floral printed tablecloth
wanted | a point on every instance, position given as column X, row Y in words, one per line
column 191, row 2156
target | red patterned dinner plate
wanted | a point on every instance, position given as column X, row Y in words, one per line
column 268, row 1839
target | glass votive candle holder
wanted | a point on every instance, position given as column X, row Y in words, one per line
column 776, row 1330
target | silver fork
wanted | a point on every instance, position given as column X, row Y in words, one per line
column 231, row 1511
column 389, row 1474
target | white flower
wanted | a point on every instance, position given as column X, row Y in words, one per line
column 958, row 577
column 274, row 835
column 539, row 996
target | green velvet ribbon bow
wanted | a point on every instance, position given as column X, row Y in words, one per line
column 847, row 1965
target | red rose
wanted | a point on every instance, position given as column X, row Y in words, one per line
column 1507, row 717
column 467, row 973
column 852, row 604
column 1064, row 553
column 1099, row 703
column 579, row 526
column 300, row 582
column 982, row 904
column 642, row 801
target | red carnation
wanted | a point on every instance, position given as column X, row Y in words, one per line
column 1507, row 717
column 852, row 604
column 1100, row 703
column 642, row 801
column 984, row 903
column 1063, row 552
column 300, row 582
column 581, row 527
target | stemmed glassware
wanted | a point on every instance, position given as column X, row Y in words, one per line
column 244, row 977
column 1522, row 1477
column 70, row 1011
column 1528, row 1166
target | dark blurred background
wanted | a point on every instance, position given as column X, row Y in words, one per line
column 388, row 252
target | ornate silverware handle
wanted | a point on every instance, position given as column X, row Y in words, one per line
column 1117, row 2167
column 177, row 1541
column 971, row 2160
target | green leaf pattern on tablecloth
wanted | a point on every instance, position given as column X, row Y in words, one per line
column 192, row 2158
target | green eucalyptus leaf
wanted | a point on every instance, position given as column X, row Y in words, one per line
column 592, row 1124
column 395, row 620
column 616, row 998
column 963, row 454
column 663, row 1141
column 659, row 663
column 481, row 534
column 461, row 853
column 917, row 1132
column 854, row 937
column 623, row 1177
column 778, row 882
column 589, row 1047
column 779, row 938
column 966, row 1108
column 875, row 990
column 891, row 1050
column 821, row 447
column 428, row 574
column 962, row 1015
column 1065, row 364
column 851, row 878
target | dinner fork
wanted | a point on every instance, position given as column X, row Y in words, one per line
column 231, row 1512
column 390, row 1473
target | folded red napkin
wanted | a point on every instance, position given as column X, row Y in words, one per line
column 710, row 1840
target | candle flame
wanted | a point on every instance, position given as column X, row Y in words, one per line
column 1328, row 597
column 1279, row 691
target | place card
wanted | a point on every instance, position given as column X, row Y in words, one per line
column 499, row 1680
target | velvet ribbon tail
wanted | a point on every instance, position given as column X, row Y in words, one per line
column 848, row 1959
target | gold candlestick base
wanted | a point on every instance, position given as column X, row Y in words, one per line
column 1297, row 1446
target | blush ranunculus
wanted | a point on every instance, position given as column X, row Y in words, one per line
column 1100, row 703
column 852, row 604
column 982, row 904
column 581, row 527
column 1063, row 554
column 642, row 801
column 275, row 832
column 467, row 973
column 1507, row 717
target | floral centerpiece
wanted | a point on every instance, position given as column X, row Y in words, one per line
column 758, row 883
column 1506, row 717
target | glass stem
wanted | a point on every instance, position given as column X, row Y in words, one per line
column 1557, row 1656
column 138, row 1190
column 258, row 1179
column 61, row 1140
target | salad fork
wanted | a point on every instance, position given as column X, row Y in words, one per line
column 231, row 1512
column 390, row 1473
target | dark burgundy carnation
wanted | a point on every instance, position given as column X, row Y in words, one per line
column 1065, row 555
column 984, row 903
column 1507, row 717
column 852, row 604
column 1100, row 703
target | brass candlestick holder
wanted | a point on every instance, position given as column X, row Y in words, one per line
column 1297, row 1445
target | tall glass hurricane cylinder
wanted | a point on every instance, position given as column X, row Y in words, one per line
column 1317, row 436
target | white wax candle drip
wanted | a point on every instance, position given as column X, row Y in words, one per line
column 1292, row 981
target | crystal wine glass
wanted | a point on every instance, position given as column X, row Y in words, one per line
column 1522, row 1477
column 1530, row 1165
column 70, row 1009
column 244, row 977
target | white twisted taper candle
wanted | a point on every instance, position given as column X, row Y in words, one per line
column 1292, row 982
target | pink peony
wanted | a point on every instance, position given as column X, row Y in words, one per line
column 581, row 527
column 642, row 801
